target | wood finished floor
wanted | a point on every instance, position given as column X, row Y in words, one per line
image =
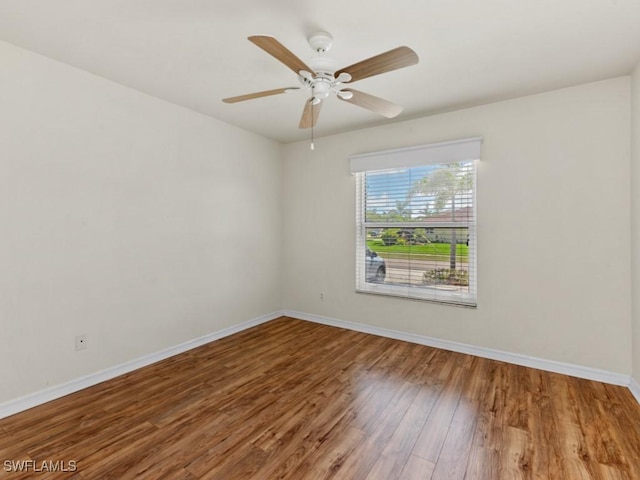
column 296, row 400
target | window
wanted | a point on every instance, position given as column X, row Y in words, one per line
column 416, row 222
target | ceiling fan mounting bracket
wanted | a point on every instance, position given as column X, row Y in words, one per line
column 320, row 41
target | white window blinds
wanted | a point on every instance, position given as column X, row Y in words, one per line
column 416, row 222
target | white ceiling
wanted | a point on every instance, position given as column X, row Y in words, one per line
column 195, row 52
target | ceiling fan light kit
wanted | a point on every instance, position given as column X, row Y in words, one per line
column 322, row 77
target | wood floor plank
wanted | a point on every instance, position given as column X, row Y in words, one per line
column 515, row 455
column 328, row 463
column 291, row 399
column 544, row 425
column 322, row 421
column 452, row 462
column 362, row 461
column 401, row 443
column 435, row 430
column 482, row 464
column 417, row 468
column 386, row 467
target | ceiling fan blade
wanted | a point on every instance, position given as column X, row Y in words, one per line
column 274, row 48
column 385, row 62
column 251, row 96
column 310, row 114
column 373, row 103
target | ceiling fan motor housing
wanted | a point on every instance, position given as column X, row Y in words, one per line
column 322, row 64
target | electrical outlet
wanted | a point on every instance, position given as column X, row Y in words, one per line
column 322, row 296
column 81, row 342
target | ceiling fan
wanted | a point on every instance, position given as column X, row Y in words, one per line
column 322, row 78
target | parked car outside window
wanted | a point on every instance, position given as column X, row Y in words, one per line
column 376, row 268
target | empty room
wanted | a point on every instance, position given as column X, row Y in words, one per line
column 320, row 240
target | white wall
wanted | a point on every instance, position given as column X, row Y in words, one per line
column 635, row 217
column 123, row 217
column 554, row 232
column 143, row 225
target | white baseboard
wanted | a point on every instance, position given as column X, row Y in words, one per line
column 635, row 389
column 515, row 358
column 38, row 398
column 20, row 404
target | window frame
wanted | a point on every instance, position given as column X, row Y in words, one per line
column 415, row 292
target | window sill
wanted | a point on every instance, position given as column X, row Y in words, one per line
column 445, row 297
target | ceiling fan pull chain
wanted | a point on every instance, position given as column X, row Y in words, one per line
column 312, row 145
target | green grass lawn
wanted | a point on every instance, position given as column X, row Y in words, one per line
column 429, row 251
